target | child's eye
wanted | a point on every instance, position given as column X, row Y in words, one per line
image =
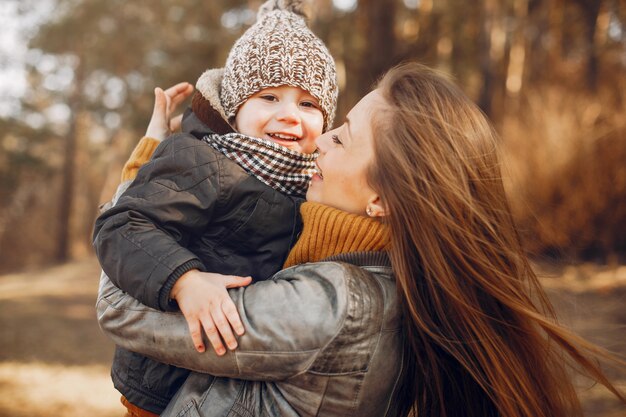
column 268, row 97
column 309, row 104
column 336, row 140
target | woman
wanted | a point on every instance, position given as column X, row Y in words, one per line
column 462, row 327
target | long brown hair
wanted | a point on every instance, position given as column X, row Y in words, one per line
column 481, row 338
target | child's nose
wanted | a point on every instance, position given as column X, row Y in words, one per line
column 288, row 112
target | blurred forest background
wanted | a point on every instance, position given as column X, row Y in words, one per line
column 76, row 93
column 551, row 74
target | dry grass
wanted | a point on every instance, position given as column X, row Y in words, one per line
column 565, row 153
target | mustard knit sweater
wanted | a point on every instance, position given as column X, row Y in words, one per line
column 140, row 155
column 328, row 231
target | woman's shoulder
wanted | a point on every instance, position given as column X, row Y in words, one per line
column 341, row 272
column 344, row 282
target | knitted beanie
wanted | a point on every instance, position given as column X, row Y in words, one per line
column 279, row 49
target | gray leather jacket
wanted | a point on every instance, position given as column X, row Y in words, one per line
column 322, row 339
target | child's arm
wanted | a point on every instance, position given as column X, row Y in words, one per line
column 209, row 308
column 207, row 304
column 161, row 124
column 160, row 127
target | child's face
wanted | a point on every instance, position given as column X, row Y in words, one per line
column 286, row 115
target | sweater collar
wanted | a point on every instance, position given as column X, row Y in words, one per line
column 363, row 259
column 329, row 234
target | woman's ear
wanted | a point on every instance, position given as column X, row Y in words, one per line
column 376, row 207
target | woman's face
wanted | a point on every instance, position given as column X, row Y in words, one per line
column 345, row 153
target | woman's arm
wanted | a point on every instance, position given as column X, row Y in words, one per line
column 289, row 320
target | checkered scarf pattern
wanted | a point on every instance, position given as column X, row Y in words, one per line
column 277, row 166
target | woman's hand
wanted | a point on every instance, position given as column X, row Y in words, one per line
column 165, row 103
column 205, row 303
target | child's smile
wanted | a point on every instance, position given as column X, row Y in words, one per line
column 285, row 115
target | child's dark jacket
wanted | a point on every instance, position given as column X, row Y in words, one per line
column 189, row 207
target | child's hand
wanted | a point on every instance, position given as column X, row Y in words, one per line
column 165, row 103
column 205, row 303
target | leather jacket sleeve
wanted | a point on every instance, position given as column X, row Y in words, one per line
column 140, row 242
column 289, row 321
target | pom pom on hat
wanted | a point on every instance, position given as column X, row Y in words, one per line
column 293, row 6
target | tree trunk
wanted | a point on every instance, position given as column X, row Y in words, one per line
column 69, row 170
column 591, row 11
column 486, row 64
column 376, row 20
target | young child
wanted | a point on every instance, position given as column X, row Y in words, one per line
column 222, row 197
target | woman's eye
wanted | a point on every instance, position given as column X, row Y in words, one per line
column 336, row 139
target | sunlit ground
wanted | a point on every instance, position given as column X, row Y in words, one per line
column 54, row 361
column 40, row 389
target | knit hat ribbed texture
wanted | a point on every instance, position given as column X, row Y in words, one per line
column 279, row 49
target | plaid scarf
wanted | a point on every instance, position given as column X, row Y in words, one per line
column 281, row 168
